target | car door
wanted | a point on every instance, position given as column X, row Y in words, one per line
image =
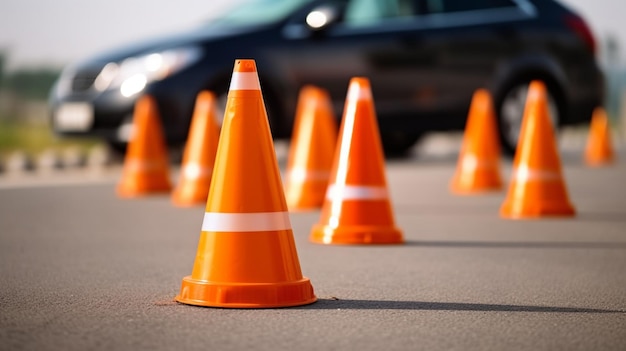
column 472, row 39
column 377, row 39
column 424, row 58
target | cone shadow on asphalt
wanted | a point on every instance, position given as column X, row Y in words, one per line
column 520, row 244
column 486, row 210
column 334, row 303
column 601, row 217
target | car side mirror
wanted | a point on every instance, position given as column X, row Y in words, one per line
column 321, row 18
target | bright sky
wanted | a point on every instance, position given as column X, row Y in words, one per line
column 56, row 32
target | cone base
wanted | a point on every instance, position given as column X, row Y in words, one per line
column 246, row 295
column 355, row 235
column 510, row 211
column 599, row 162
column 475, row 183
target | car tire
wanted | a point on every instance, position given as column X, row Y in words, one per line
column 221, row 100
column 118, row 148
column 397, row 144
column 510, row 111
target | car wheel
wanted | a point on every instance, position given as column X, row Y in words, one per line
column 510, row 110
column 117, row 148
column 397, row 144
column 221, row 99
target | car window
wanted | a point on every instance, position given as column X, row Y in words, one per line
column 256, row 12
column 447, row 6
column 369, row 12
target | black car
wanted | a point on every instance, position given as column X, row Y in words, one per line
column 424, row 59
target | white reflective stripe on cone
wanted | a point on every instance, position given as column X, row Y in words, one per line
column 472, row 162
column 301, row 174
column 194, row 171
column 245, row 81
column 350, row 192
column 245, row 222
column 525, row 174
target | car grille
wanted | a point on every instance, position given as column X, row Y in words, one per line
column 84, row 78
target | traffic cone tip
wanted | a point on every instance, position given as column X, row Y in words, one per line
column 245, row 65
column 359, row 90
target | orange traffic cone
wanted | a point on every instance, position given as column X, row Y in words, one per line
column 197, row 166
column 146, row 164
column 599, row 149
column 478, row 167
column 312, row 149
column 246, row 256
column 537, row 187
column 357, row 209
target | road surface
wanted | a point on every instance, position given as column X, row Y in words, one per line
column 81, row 269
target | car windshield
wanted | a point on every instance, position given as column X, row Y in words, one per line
column 256, row 12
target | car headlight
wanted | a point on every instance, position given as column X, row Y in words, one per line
column 63, row 84
column 133, row 74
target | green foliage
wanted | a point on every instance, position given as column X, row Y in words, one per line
column 34, row 138
column 32, row 84
column 3, row 60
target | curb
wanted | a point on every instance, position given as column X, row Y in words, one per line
column 52, row 160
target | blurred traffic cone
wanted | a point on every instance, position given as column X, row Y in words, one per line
column 246, row 255
column 146, row 164
column 599, row 149
column 197, row 166
column 357, row 209
column 312, row 149
column 478, row 167
column 537, row 187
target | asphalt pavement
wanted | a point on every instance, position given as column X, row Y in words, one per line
column 81, row 269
